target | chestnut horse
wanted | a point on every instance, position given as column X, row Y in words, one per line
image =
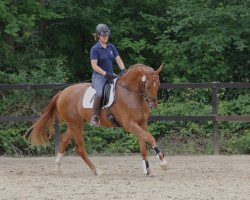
column 136, row 92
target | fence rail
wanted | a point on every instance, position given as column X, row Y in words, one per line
column 214, row 117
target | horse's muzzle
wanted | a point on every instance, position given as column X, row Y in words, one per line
column 152, row 104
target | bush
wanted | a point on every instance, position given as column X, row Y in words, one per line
column 172, row 137
column 109, row 140
column 13, row 143
column 240, row 145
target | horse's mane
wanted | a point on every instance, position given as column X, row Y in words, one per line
column 140, row 66
column 137, row 70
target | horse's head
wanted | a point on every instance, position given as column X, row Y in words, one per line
column 150, row 86
column 143, row 81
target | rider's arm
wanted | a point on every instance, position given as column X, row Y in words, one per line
column 119, row 62
column 96, row 67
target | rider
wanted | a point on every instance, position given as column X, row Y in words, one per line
column 102, row 55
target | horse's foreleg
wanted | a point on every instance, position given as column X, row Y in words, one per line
column 160, row 155
column 64, row 143
column 145, row 136
column 143, row 150
column 145, row 163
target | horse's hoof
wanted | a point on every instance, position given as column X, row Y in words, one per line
column 98, row 172
column 164, row 165
column 149, row 173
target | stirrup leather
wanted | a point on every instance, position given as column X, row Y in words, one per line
column 95, row 120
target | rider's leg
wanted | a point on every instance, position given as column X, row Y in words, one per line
column 95, row 121
column 98, row 82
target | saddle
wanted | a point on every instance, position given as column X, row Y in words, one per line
column 107, row 99
column 107, row 92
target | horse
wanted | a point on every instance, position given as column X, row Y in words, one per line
column 136, row 94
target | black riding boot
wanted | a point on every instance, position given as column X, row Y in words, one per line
column 95, row 120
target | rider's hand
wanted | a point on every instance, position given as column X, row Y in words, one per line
column 110, row 76
column 122, row 72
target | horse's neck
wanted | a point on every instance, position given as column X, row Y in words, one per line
column 132, row 80
column 131, row 92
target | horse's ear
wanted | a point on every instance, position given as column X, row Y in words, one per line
column 159, row 70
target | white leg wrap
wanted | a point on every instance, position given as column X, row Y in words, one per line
column 145, row 171
column 98, row 172
column 59, row 159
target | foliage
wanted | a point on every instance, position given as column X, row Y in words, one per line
column 173, row 137
column 193, row 137
column 198, row 40
column 13, row 143
column 114, row 140
column 24, row 57
column 241, row 144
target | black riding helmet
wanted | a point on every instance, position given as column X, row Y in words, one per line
column 102, row 29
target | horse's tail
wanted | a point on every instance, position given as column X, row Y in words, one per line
column 42, row 130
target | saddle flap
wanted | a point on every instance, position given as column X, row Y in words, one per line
column 108, row 96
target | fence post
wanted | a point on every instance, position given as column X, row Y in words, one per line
column 215, row 121
column 57, row 136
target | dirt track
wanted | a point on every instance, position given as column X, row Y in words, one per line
column 189, row 177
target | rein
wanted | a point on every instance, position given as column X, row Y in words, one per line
column 138, row 93
column 144, row 91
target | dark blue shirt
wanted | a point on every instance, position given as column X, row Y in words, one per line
column 104, row 56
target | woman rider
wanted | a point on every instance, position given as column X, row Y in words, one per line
column 102, row 55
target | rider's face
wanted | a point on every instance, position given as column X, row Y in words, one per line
column 104, row 38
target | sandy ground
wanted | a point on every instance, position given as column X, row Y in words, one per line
column 189, row 177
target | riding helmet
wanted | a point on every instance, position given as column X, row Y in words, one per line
column 102, row 29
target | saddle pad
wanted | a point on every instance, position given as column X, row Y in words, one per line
column 88, row 98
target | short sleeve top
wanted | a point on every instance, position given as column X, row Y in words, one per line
column 104, row 56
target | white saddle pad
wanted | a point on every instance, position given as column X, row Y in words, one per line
column 88, row 98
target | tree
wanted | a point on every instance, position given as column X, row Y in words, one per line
column 23, row 55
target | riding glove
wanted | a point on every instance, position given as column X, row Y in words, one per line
column 122, row 72
column 111, row 76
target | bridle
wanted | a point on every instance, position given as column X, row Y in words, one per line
column 144, row 90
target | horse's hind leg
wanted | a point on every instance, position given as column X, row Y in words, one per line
column 77, row 133
column 63, row 144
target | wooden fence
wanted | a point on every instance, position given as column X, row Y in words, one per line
column 214, row 117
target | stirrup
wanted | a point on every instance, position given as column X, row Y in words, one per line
column 95, row 120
